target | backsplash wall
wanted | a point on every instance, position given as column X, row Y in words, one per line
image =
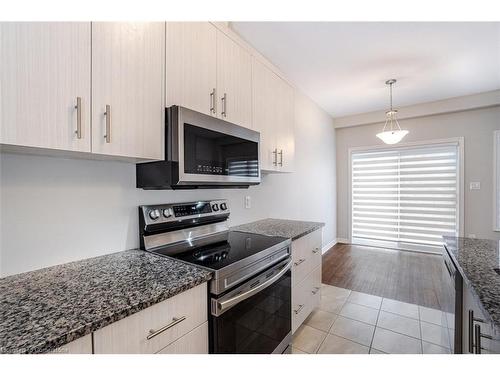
column 56, row 210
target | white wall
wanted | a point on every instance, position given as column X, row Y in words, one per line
column 55, row 210
column 476, row 126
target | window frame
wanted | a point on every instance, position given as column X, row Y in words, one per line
column 496, row 185
column 457, row 141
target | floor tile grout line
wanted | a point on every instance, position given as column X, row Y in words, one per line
column 376, row 325
column 319, row 347
column 420, row 328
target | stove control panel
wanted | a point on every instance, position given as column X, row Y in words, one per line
column 176, row 212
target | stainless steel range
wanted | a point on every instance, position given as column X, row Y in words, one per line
column 250, row 292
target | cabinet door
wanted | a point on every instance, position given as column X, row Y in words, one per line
column 264, row 83
column 234, row 82
column 191, row 66
column 45, row 67
column 128, row 65
column 285, row 134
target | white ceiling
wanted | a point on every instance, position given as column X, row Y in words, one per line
column 343, row 65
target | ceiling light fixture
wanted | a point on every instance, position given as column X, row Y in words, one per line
column 393, row 134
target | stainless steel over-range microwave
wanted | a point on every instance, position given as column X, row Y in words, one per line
column 202, row 151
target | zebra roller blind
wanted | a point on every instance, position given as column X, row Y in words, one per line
column 405, row 195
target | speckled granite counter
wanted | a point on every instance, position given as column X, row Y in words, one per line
column 44, row 309
column 476, row 260
column 293, row 229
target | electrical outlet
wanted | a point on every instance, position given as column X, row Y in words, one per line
column 248, row 202
column 475, row 185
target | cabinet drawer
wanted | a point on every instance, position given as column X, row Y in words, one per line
column 300, row 303
column 305, row 297
column 169, row 319
column 194, row 342
column 83, row 345
column 306, row 255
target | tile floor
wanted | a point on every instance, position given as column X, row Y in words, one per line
column 350, row 322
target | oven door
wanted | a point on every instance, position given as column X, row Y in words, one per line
column 254, row 318
column 213, row 151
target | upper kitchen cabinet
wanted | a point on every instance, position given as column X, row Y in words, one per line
column 192, row 66
column 45, row 85
column 234, row 81
column 285, row 129
column 273, row 117
column 128, row 104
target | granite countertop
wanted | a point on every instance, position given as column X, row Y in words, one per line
column 293, row 229
column 44, row 309
column 476, row 260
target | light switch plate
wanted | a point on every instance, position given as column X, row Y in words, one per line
column 475, row 185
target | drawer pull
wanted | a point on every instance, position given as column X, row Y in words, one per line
column 299, row 309
column 315, row 251
column 300, row 261
column 316, row 290
column 175, row 321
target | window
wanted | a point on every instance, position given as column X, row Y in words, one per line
column 405, row 197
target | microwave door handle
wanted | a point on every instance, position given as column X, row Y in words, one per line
column 225, row 305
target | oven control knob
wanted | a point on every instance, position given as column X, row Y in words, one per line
column 223, row 206
column 167, row 212
column 154, row 214
column 215, row 207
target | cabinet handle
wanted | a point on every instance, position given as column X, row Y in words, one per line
column 107, row 136
column 298, row 310
column 213, row 102
column 78, row 108
column 477, row 336
column 281, row 157
column 175, row 321
column 275, row 153
column 316, row 249
column 471, row 333
column 316, row 290
column 224, row 105
column 299, row 262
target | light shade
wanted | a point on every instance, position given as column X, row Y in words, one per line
column 391, row 137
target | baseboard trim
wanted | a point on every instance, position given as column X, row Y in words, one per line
column 343, row 240
column 328, row 246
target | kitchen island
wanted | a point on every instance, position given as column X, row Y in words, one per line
column 477, row 261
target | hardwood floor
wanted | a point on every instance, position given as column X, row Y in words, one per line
column 400, row 275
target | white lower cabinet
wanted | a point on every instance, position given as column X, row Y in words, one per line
column 83, row 345
column 153, row 329
column 306, row 276
column 195, row 342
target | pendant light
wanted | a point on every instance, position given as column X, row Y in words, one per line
column 392, row 132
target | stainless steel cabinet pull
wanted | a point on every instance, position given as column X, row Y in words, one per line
column 477, row 336
column 281, row 158
column 78, row 108
column 299, row 262
column 107, row 136
column 472, row 332
column 275, row 153
column 316, row 290
column 213, row 101
column 316, row 249
column 224, row 105
column 298, row 310
column 175, row 321
column 471, row 327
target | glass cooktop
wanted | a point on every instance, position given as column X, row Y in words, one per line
column 238, row 246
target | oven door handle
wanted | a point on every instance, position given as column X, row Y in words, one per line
column 222, row 306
